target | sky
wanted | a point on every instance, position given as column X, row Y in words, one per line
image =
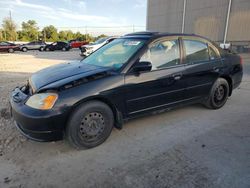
column 87, row 16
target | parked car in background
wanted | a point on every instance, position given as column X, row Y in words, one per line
column 139, row 73
column 77, row 43
column 59, row 45
column 90, row 48
column 8, row 47
column 34, row 45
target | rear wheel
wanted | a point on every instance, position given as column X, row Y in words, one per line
column 41, row 48
column 63, row 49
column 218, row 95
column 89, row 125
column 47, row 49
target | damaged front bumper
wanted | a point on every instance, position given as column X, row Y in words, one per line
column 38, row 125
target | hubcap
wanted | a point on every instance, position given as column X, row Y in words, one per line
column 92, row 126
column 219, row 94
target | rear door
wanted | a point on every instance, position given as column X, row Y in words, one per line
column 161, row 87
column 202, row 66
column 60, row 45
column 31, row 45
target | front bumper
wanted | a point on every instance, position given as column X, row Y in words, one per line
column 38, row 125
column 40, row 136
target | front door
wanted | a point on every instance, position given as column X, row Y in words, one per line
column 161, row 87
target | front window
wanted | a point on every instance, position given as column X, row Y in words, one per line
column 115, row 54
column 163, row 54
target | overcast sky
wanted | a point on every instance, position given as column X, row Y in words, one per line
column 78, row 13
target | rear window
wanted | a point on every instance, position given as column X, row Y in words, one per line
column 196, row 51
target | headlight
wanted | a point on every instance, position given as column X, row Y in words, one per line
column 42, row 101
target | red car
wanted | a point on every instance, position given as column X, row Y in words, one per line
column 77, row 43
column 8, row 47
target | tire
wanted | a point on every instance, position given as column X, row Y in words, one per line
column 11, row 50
column 24, row 49
column 89, row 125
column 47, row 49
column 41, row 49
column 63, row 49
column 218, row 94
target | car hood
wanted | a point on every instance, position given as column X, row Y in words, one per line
column 57, row 75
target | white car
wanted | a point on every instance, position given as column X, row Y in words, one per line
column 90, row 48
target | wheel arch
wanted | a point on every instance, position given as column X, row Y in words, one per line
column 230, row 83
column 118, row 119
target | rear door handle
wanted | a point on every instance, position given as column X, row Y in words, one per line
column 177, row 76
column 216, row 69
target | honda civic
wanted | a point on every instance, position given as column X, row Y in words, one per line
column 138, row 74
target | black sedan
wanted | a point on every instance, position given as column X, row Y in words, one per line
column 137, row 74
column 8, row 47
column 64, row 46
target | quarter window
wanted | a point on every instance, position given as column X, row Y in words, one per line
column 163, row 54
column 196, row 51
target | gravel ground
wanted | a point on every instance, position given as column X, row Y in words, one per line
column 186, row 147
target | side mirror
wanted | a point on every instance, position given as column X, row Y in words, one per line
column 143, row 66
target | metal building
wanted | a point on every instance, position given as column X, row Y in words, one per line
column 224, row 21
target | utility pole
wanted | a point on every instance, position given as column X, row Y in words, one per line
column 10, row 15
column 4, row 34
column 227, row 21
column 44, row 35
column 86, row 30
column 11, row 33
column 183, row 16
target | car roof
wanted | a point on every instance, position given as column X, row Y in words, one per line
column 155, row 34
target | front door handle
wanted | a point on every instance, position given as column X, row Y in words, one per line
column 177, row 76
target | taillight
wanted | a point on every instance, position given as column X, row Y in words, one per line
column 241, row 60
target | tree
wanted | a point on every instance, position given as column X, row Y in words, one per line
column 62, row 35
column 9, row 28
column 66, row 35
column 101, row 36
column 1, row 35
column 29, row 30
column 88, row 37
column 50, row 33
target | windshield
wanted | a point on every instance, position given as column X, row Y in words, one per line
column 114, row 54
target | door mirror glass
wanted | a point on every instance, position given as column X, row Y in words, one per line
column 143, row 66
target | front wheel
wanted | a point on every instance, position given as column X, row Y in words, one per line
column 24, row 49
column 218, row 95
column 11, row 50
column 89, row 125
